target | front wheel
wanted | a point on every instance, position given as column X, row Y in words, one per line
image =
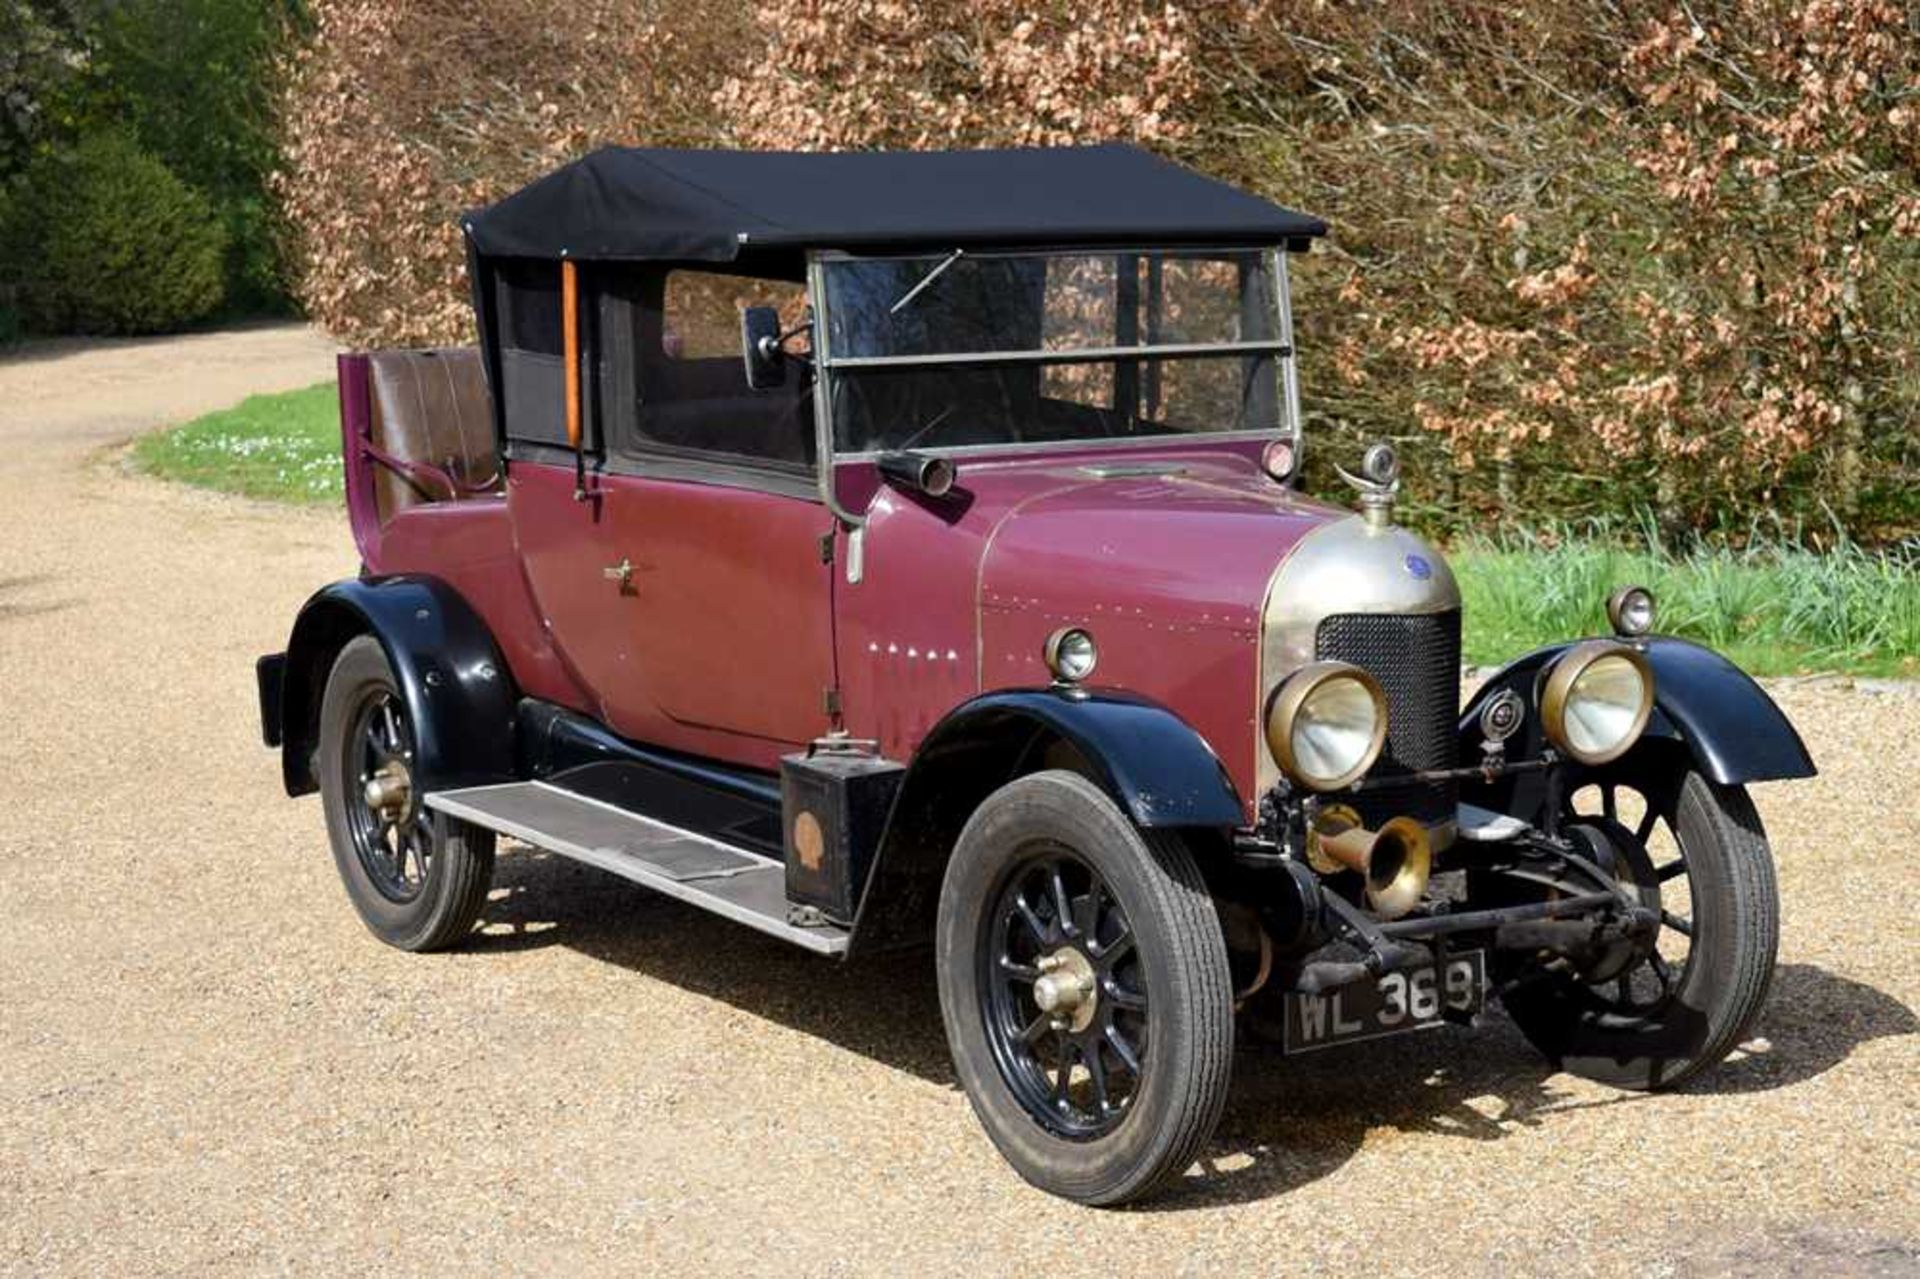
column 1085, row 990
column 418, row 885
column 1660, row 1012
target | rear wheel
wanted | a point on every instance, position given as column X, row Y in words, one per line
column 418, row 884
column 1660, row 1011
column 1085, row 989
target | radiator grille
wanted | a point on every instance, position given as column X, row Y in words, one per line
column 1416, row 658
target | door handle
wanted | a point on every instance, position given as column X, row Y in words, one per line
column 621, row 573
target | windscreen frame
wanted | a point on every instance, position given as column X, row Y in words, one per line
column 829, row 365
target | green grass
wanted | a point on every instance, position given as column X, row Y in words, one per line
column 284, row 447
column 1776, row 607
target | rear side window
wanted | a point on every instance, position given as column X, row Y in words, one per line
column 532, row 359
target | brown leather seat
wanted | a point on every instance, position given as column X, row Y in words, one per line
column 433, row 416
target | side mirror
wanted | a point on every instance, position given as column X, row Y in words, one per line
column 760, row 345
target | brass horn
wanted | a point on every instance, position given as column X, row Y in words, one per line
column 1394, row 860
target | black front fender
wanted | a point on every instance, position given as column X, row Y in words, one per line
column 1734, row 731
column 1149, row 761
column 457, row 689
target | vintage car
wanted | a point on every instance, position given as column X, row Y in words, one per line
column 906, row 550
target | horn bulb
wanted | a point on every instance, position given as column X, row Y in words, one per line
column 1394, row 860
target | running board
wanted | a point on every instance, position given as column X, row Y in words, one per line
column 730, row 881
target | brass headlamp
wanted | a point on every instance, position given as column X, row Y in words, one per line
column 1596, row 700
column 1326, row 724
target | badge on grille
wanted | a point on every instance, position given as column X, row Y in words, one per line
column 1418, row 566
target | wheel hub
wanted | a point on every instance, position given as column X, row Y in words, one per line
column 390, row 790
column 1613, row 847
column 1068, row 989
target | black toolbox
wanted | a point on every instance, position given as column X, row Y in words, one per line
column 834, row 801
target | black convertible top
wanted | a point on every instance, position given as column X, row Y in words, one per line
column 628, row 203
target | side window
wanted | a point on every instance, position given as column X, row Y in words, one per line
column 701, row 311
column 532, row 362
column 692, row 390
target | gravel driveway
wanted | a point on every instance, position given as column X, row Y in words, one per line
column 206, row 1061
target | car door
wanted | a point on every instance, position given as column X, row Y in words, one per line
column 687, row 590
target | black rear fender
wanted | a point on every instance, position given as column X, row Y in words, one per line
column 458, row 692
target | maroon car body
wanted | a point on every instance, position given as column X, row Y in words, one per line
column 883, row 550
column 1172, row 568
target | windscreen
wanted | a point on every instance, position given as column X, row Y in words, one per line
column 958, row 349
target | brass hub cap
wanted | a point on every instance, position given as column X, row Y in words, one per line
column 389, row 790
column 1068, row 989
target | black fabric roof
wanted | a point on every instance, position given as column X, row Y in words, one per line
column 633, row 203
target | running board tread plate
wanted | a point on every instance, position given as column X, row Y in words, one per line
column 740, row 885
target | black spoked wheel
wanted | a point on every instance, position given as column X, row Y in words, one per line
column 418, row 885
column 1654, row 1012
column 1085, row 989
column 1066, row 1013
column 1637, row 817
column 392, row 835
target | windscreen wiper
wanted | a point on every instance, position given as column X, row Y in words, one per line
column 926, row 279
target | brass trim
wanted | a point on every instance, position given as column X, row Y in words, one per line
column 1289, row 366
column 1101, row 443
column 1133, row 470
column 1616, row 610
column 822, row 347
column 1059, row 355
column 1050, row 653
column 1396, row 861
column 828, row 455
column 389, row 791
column 1068, row 990
column 1344, row 566
column 1559, row 682
column 1293, row 693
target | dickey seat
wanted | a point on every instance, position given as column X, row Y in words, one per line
column 431, row 428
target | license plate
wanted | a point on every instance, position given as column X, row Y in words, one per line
column 1412, row 999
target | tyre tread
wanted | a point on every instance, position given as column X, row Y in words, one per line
column 1755, row 901
column 1185, row 896
column 468, row 864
